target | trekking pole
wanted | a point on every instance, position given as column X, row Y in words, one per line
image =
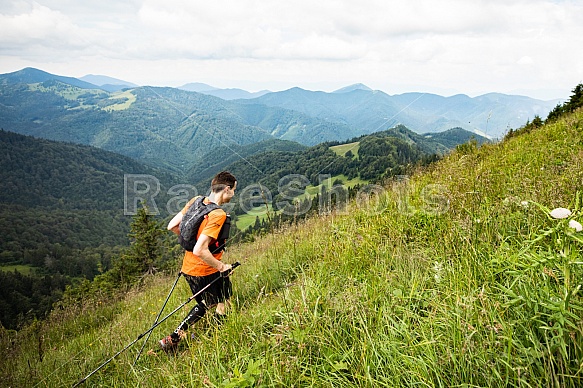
column 233, row 266
column 156, row 320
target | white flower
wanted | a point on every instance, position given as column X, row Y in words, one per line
column 575, row 225
column 524, row 204
column 437, row 267
column 560, row 213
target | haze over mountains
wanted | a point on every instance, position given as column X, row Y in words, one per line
column 225, row 94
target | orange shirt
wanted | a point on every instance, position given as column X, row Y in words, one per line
column 210, row 226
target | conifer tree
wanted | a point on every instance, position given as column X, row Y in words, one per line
column 144, row 252
column 145, row 242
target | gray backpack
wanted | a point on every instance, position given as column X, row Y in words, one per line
column 191, row 222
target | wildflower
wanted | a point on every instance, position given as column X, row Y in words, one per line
column 560, row 213
column 524, row 204
column 575, row 225
column 437, row 268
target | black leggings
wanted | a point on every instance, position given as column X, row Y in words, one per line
column 217, row 292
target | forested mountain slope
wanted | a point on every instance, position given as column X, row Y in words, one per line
column 174, row 128
column 65, row 211
column 160, row 126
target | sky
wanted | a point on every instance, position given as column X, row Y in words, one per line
column 446, row 47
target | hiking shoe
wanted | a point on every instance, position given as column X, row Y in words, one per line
column 168, row 344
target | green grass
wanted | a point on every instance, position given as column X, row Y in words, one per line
column 342, row 149
column 23, row 269
column 128, row 95
column 73, row 93
column 248, row 219
column 313, row 190
column 456, row 277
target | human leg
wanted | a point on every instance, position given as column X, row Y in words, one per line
column 196, row 284
column 217, row 291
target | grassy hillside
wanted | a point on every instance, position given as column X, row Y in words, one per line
column 52, row 192
column 457, row 276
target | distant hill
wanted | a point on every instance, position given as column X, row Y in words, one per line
column 206, row 166
column 234, row 94
column 57, row 198
column 108, row 83
column 197, row 87
column 225, row 94
column 30, row 75
column 160, row 126
column 370, row 111
column 452, row 137
column 378, row 156
column 350, row 88
column 439, row 143
column 55, row 175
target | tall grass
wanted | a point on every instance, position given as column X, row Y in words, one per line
column 456, row 277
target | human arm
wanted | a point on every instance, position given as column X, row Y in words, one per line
column 201, row 250
column 174, row 224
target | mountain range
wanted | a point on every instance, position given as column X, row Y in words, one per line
column 304, row 116
column 225, row 94
column 490, row 115
column 107, row 83
column 192, row 133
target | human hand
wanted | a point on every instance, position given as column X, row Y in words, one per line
column 226, row 270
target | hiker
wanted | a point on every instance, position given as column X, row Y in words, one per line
column 200, row 267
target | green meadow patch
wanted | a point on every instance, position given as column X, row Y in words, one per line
column 342, row 149
column 248, row 219
column 23, row 269
column 123, row 100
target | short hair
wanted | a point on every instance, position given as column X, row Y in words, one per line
column 222, row 180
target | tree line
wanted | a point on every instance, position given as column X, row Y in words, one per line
column 575, row 102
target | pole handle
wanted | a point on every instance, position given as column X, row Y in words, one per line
column 228, row 272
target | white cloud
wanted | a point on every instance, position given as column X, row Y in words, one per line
column 40, row 27
column 472, row 47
